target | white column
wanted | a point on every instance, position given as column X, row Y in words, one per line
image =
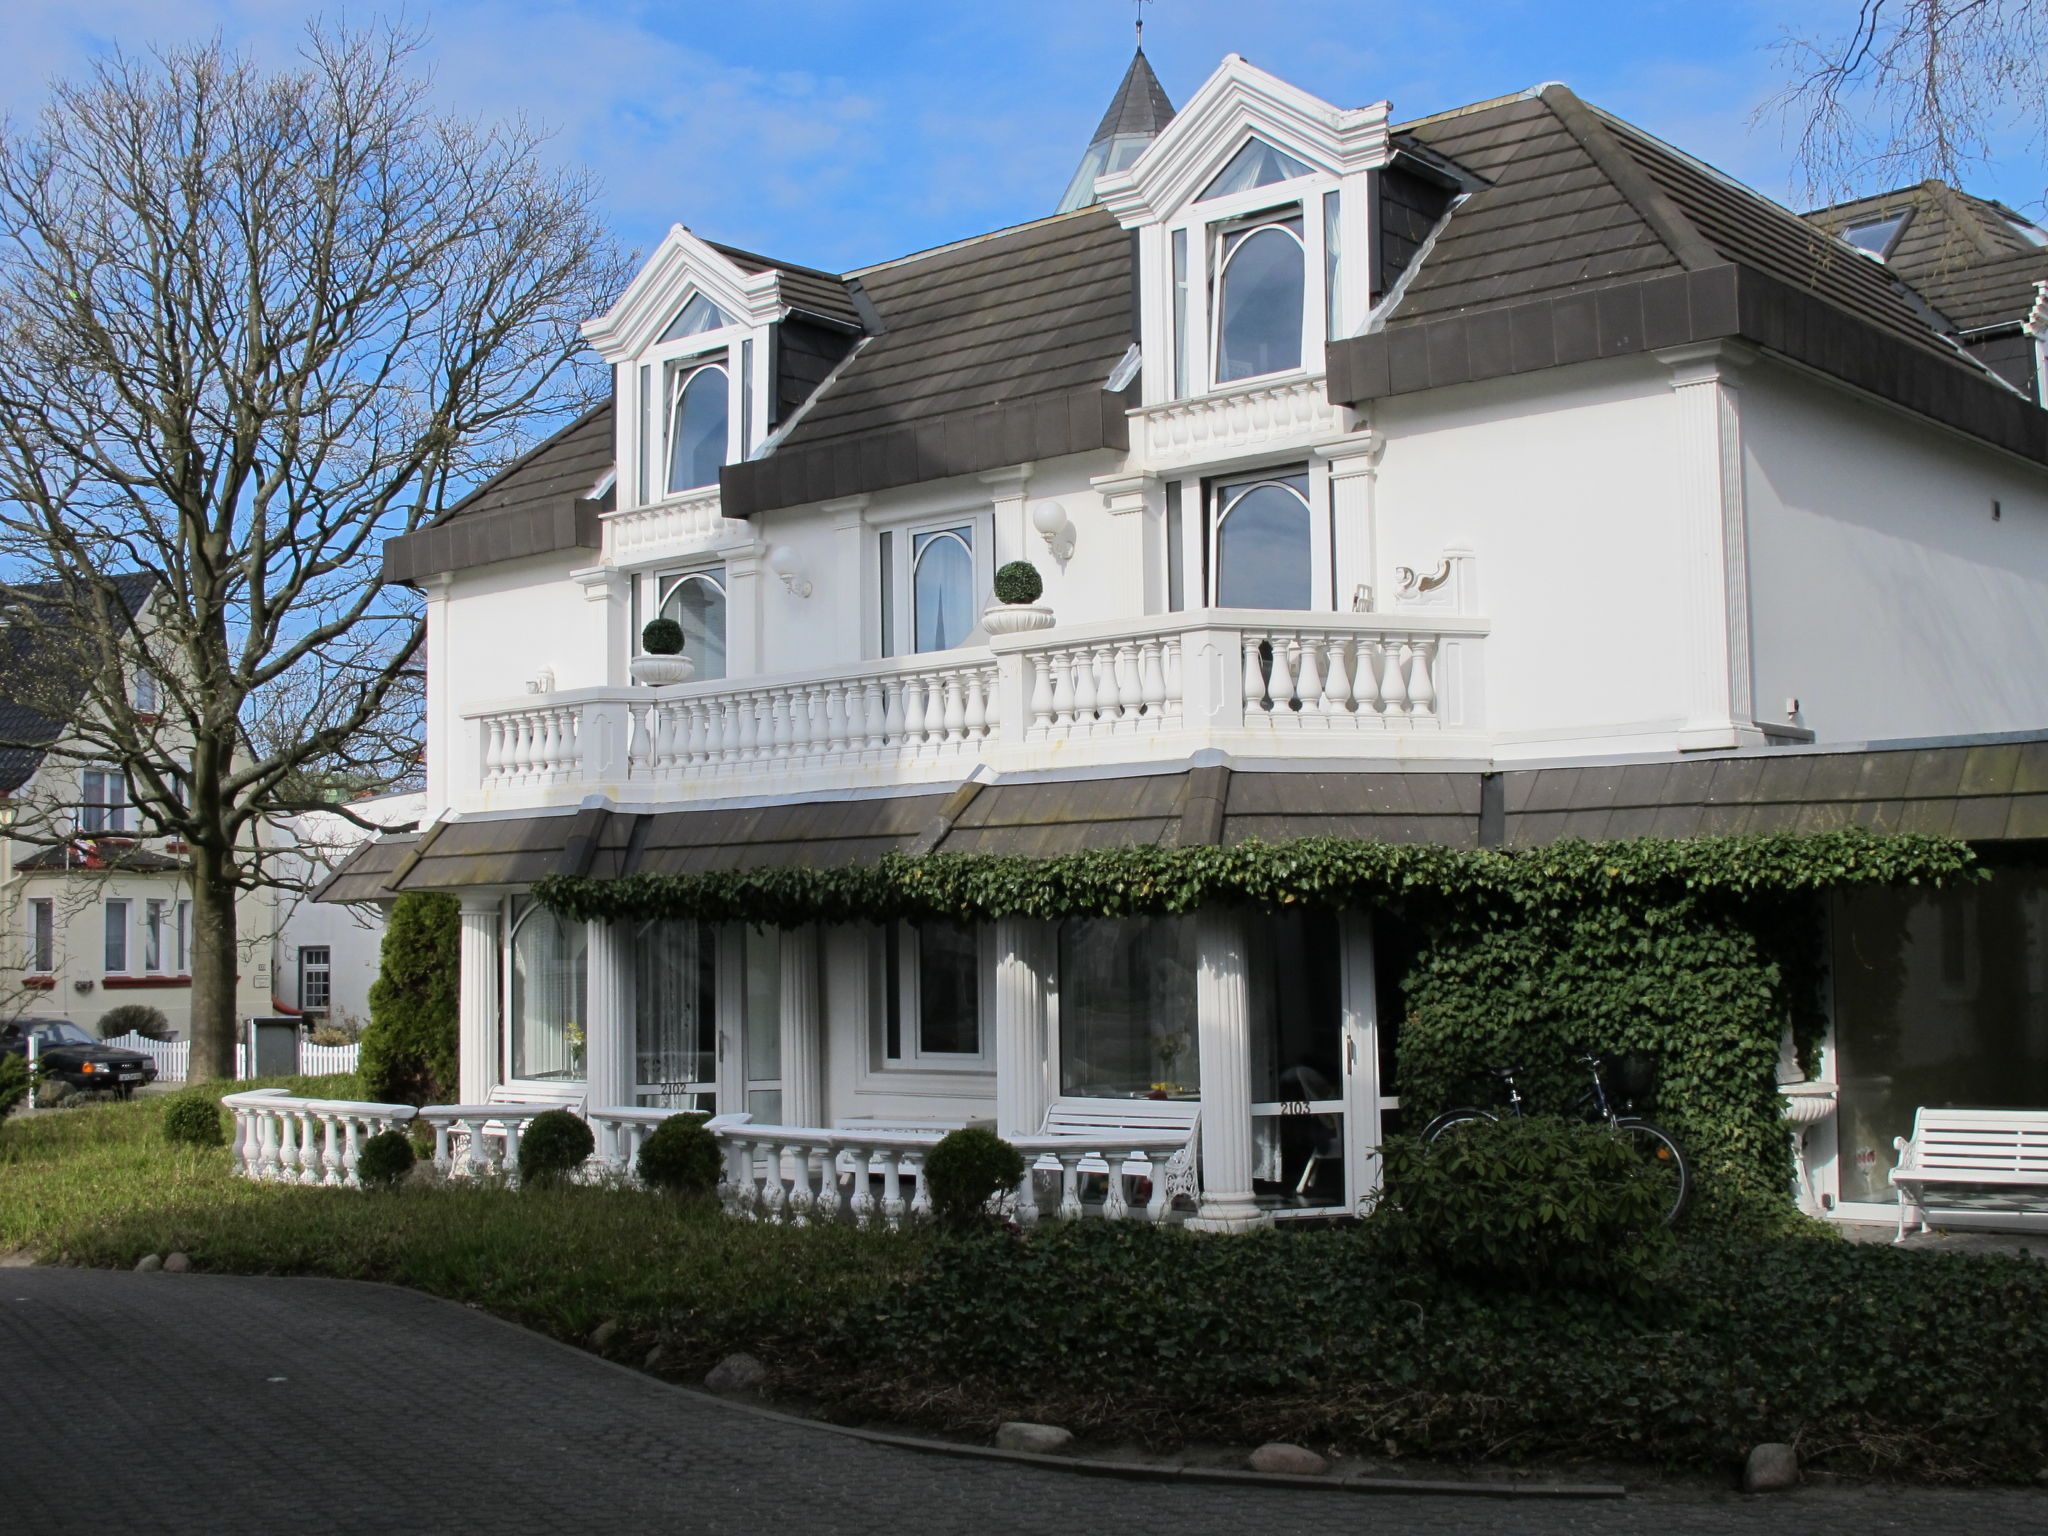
column 855, row 594
column 1127, row 498
column 1363, row 1089
column 743, row 595
column 1223, row 1015
column 607, row 1019
column 454, row 766
column 1713, row 547
column 1026, row 951
column 478, row 1007
column 1354, row 466
column 803, row 1053
column 1008, row 490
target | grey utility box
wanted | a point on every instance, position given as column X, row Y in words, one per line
column 275, row 1046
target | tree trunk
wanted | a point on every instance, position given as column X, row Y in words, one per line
column 213, row 967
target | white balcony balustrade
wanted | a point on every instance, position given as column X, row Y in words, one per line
column 1247, row 418
column 305, row 1141
column 1162, row 686
column 682, row 525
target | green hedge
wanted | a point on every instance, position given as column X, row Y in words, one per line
column 410, row 1050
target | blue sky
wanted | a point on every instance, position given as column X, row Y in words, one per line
column 841, row 132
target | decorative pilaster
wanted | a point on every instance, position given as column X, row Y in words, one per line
column 478, row 1008
column 855, row 594
column 1007, row 491
column 607, row 1020
column 1134, row 503
column 442, row 723
column 1713, row 546
column 1026, row 952
column 743, row 612
column 610, row 591
column 1223, row 1018
column 803, row 1065
column 1354, row 472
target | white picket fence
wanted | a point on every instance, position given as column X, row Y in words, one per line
column 173, row 1057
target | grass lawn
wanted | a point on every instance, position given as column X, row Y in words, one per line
column 1915, row 1364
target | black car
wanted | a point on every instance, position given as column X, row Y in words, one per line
column 68, row 1052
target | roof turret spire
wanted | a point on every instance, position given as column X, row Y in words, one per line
column 1136, row 113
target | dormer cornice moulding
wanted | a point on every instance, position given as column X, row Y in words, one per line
column 1237, row 101
column 682, row 264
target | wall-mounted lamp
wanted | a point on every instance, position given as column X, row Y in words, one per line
column 782, row 561
column 1050, row 519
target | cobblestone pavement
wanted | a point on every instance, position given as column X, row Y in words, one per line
column 215, row 1404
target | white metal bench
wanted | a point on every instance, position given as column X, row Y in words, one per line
column 2006, row 1148
column 1152, row 1122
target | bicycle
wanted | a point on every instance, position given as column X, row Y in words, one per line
column 1661, row 1154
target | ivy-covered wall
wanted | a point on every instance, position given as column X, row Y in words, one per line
column 1698, row 951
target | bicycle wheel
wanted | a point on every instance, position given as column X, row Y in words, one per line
column 1451, row 1119
column 1662, row 1161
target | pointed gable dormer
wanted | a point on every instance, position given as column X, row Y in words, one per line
column 1136, row 113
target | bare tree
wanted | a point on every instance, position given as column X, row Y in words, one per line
column 1918, row 90
column 251, row 325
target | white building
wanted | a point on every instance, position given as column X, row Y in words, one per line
column 328, row 953
column 1380, row 475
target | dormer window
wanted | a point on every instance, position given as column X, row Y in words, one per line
column 1258, row 164
column 1876, row 237
column 697, row 317
column 698, row 426
column 1260, row 299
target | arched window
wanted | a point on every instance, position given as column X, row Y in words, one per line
column 696, row 433
column 697, row 602
column 545, row 1012
column 942, row 588
column 1262, row 544
column 1261, row 293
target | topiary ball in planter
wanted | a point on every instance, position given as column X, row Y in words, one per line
column 966, row 1170
column 384, row 1161
column 554, row 1145
column 662, row 637
column 681, row 1157
column 1019, row 582
column 193, row 1120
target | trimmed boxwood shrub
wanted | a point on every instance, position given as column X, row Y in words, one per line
column 554, row 1145
column 661, row 637
column 1535, row 1202
column 384, row 1160
column 681, row 1157
column 193, row 1119
column 966, row 1170
column 1019, row 582
column 409, row 1053
column 136, row 1019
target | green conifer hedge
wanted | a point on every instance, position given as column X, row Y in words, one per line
column 410, row 1049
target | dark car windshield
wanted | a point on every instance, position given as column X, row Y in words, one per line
column 58, row 1032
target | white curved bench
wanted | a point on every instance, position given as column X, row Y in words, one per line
column 2003, row 1148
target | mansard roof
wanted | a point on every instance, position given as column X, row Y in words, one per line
column 1586, row 237
column 1965, row 254
column 45, row 675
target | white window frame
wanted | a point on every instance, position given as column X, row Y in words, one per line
column 42, row 936
column 184, row 918
column 511, row 914
column 114, row 813
column 110, row 926
column 153, row 914
column 902, row 605
column 659, row 373
column 322, row 968
column 904, row 938
column 148, row 693
column 1203, row 552
column 1204, row 227
column 1221, row 232
column 656, row 585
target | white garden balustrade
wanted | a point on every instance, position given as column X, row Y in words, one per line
column 480, row 1141
column 305, row 1141
column 804, row 1174
column 1163, row 686
column 1123, row 1162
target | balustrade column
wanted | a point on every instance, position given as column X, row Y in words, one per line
column 1025, row 954
column 803, row 1098
column 608, row 1065
column 477, row 1010
column 1223, row 1019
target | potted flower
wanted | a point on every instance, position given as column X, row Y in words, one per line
column 662, row 640
column 1017, row 607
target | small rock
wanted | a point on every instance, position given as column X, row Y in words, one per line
column 177, row 1263
column 1770, row 1467
column 149, row 1264
column 1279, row 1456
column 603, row 1334
column 655, row 1357
column 736, row 1373
column 1038, row 1439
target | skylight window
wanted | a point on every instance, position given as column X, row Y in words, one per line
column 1258, row 164
column 1876, row 237
column 698, row 316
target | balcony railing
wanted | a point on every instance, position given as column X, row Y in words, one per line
column 1163, row 686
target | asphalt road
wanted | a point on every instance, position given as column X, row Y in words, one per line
column 221, row 1405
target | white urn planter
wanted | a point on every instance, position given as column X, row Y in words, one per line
column 1806, row 1105
column 659, row 671
column 1016, row 618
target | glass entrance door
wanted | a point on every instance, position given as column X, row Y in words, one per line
column 675, row 1015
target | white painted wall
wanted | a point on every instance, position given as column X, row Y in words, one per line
column 353, row 935
column 1886, row 599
